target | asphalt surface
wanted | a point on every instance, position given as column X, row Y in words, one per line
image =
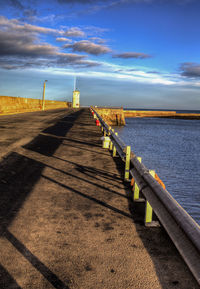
column 18, row 129
column 67, row 219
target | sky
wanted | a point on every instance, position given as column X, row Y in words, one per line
column 130, row 53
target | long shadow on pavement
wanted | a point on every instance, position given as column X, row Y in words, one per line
column 46, row 272
column 18, row 174
column 93, row 173
column 6, row 280
column 99, row 202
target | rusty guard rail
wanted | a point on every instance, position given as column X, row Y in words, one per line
column 180, row 226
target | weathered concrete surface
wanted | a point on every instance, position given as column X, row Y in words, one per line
column 67, row 220
column 11, row 104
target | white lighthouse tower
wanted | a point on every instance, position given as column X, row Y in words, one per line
column 76, row 96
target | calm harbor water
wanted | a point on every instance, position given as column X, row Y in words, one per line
column 172, row 148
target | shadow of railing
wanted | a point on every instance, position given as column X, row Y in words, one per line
column 34, row 261
column 92, row 173
column 6, row 280
column 19, row 174
column 99, row 202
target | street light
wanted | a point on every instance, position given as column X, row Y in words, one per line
column 43, row 96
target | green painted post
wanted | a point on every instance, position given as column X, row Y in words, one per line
column 111, row 143
column 148, row 209
column 109, row 128
column 114, row 148
column 136, row 193
column 111, row 146
column 127, row 163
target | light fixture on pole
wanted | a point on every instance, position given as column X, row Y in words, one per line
column 43, row 96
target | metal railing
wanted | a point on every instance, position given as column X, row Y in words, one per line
column 180, row 226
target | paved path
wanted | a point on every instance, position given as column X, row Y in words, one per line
column 67, row 220
column 19, row 129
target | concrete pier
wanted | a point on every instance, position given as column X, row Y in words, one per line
column 67, row 218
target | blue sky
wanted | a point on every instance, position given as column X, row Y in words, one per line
column 131, row 53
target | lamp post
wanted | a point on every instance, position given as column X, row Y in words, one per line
column 43, row 96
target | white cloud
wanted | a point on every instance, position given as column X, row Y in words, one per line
column 110, row 71
column 24, row 27
column 21, row 47
column 20, row 26
column 74, row 32
column 63, row 39
column 98, row 40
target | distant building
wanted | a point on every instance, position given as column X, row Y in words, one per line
column 76, row 99
column 76, row 96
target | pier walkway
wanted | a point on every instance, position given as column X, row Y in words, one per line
column 67, row 219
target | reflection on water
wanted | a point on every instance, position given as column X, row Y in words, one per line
column 172, row 148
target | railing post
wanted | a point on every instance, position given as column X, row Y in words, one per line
column 111, row 146
column 109, row 128
column 114, row 148
column 148, row 208
column 111, row 143
column 127, row 163
column 106, row 143
column 136, row 190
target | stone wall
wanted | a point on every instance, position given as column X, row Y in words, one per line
column 10, row 104
column 112, row 116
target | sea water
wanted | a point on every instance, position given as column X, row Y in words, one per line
column 172, row 148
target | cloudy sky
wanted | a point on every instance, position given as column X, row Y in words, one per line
column 131, row 53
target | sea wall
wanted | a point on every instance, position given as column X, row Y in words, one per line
column 165, row 114
column 112, row 116
column 144, row 113
column 10, row 104
column 186, row 116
